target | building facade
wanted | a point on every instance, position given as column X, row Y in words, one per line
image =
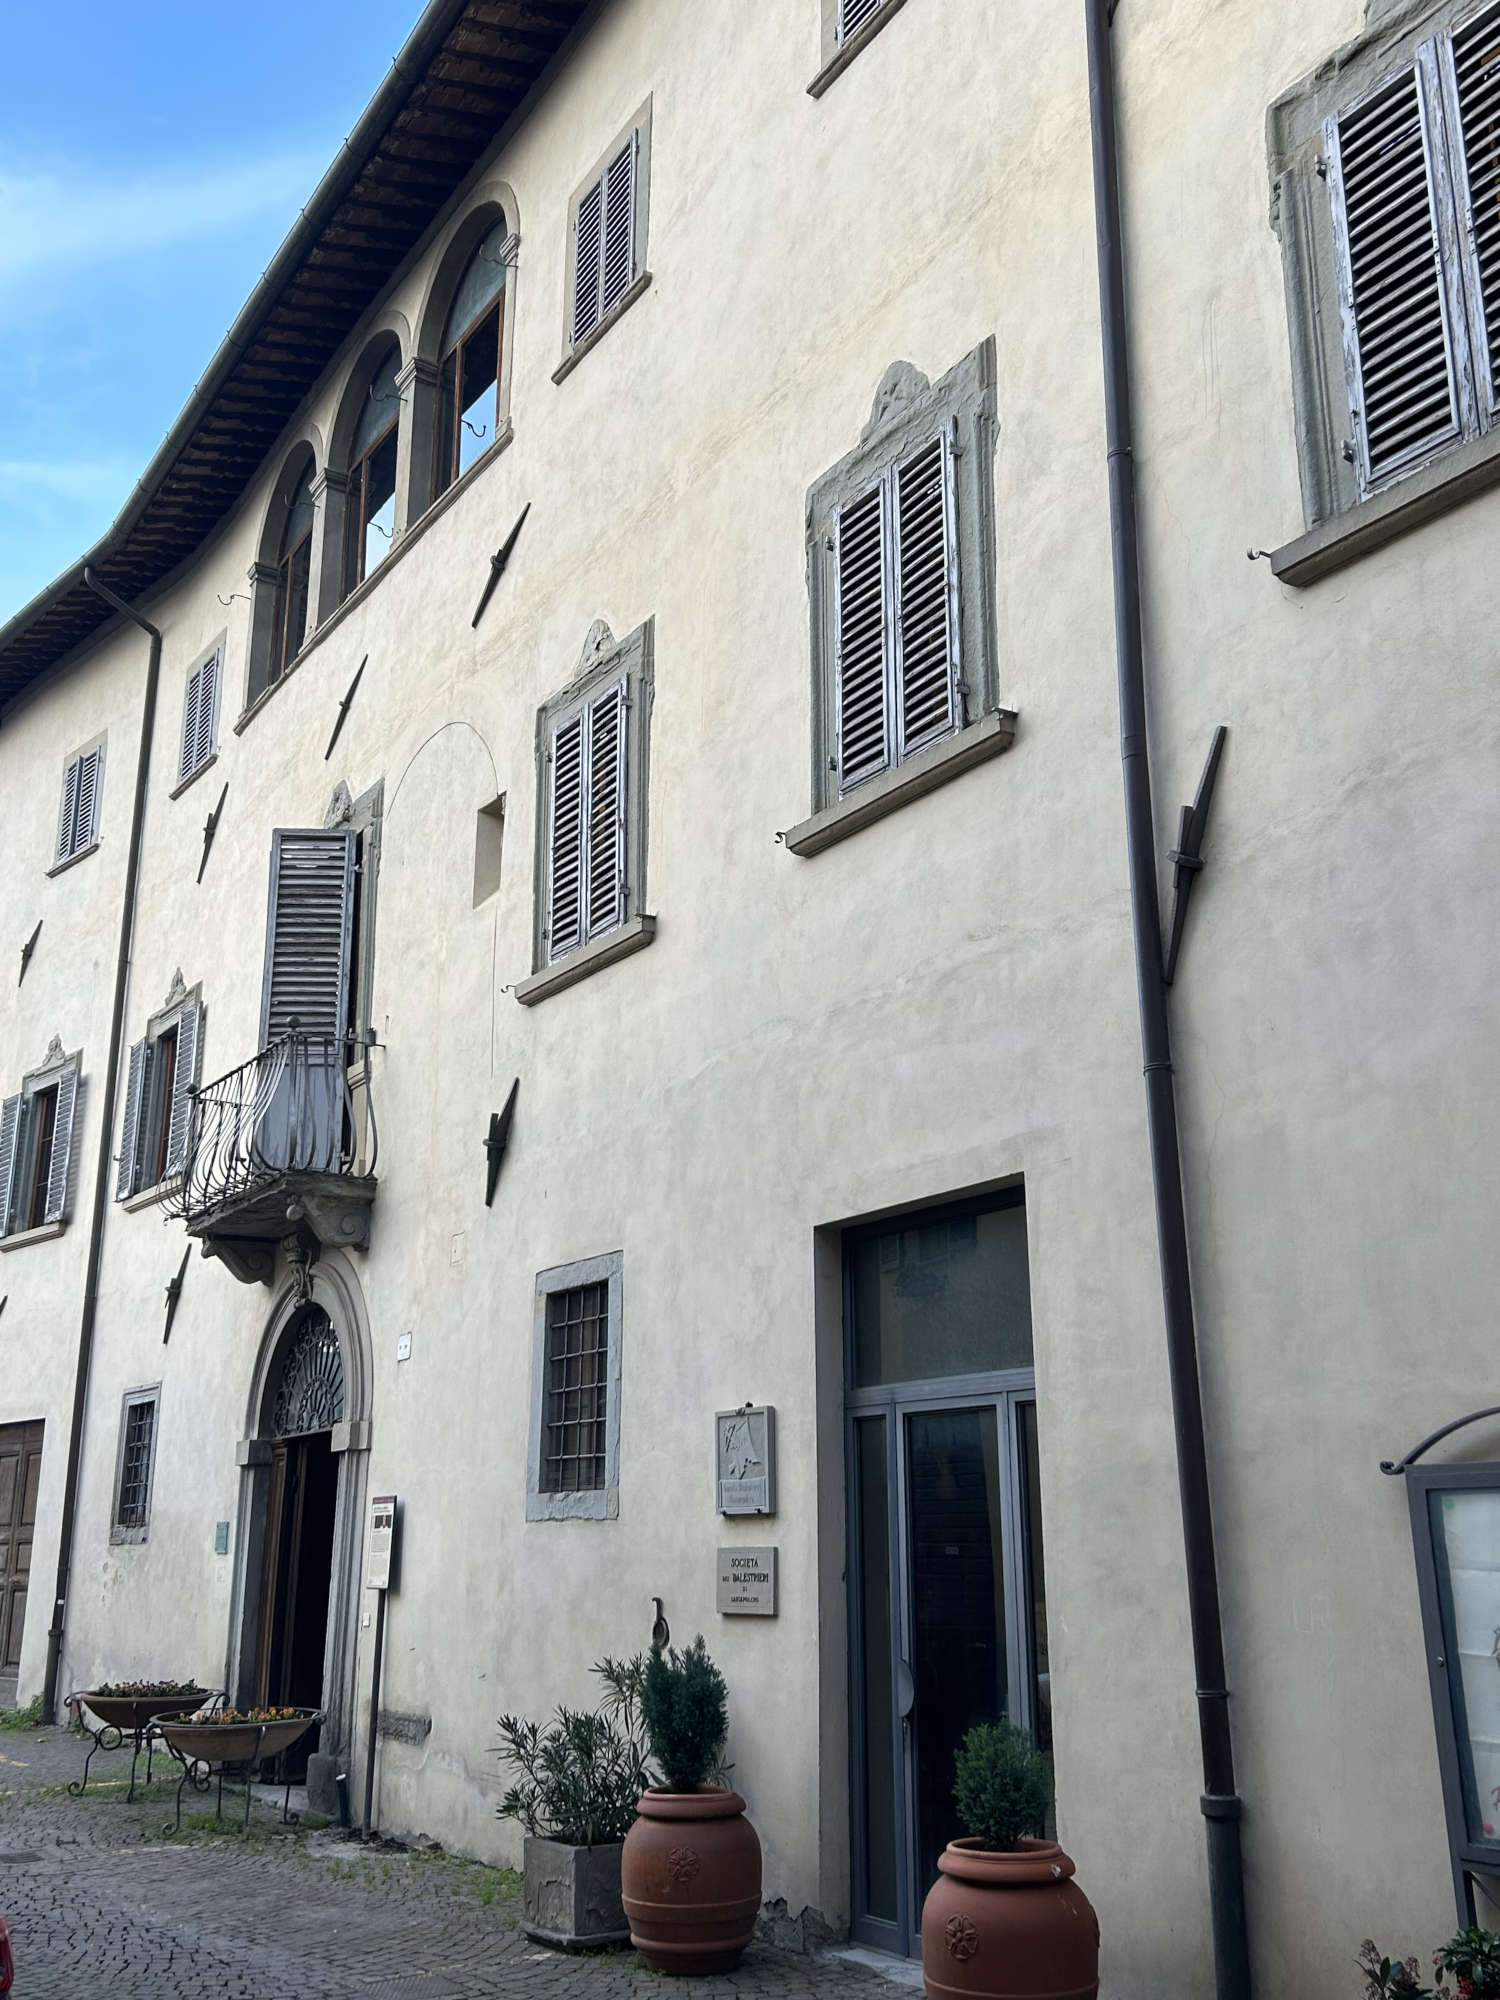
column 629, row 920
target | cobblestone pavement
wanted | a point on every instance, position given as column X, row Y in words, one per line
column 100, row 1904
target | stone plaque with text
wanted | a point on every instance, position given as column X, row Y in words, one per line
column 747, row 1583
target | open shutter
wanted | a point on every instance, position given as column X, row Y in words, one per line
column 606, row 811
column 130, row 1136
column 853, row 14
column 62, row 1146
column 189, row 1048
column 565, row 840
column 1474, row 85
column 588, row 241
column 67, row 816
column 1388, row 180
column 309, row 930
column 862, row 625
column 10, row 1120
column 619, row 225
column 924, row 522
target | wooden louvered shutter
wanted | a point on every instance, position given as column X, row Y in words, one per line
column 67, row 817
column 565, row 910
column 926, row 626
column 619, row 226
column 1404, row 339
column 588, row 240
column 130, row 1136
column 853, row 14
column 862, row 623
column 189, row 1053
column 86, row 822
column 208, row 709
column 1472, row 81
column 10, row 1123
column 187, row 755
column 309, row 934
column 605, row 884
column 62, row 1146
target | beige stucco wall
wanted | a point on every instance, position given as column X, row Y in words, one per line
column 942, row 1002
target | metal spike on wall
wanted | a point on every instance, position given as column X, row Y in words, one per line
column 174, row 1293
column 497, row 1141
column 4, row 1302
column 211, row 827
column 28, row 948
column 1187, row 856
column 344, row 707
column 497, row 566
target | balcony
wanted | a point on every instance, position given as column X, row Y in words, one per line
column 282, row 1151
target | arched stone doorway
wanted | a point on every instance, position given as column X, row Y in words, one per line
column 293, row 1627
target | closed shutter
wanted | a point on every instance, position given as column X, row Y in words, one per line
column 586, row 889
column 67, row 817
column 187, row 755
column 861, row 645
column 189, row 1052
column 853, row 14
column 130, row 1136
column 86, row 822
column 309, row 929
column 604, row 241
column 565, row 841
column 62, row 1146
column 587, row 242
column 1475, row 85
column 199, row 714
column 10, row 1120
column 606, row 811
column 926, row 570
column 1388, row 180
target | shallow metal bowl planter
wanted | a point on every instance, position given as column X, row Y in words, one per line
column 117, row 1716
column 213, row 1742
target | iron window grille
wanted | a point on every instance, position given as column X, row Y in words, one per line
column 137, row 1462
column 573, row 1448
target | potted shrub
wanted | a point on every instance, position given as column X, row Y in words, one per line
column 691, row 1874
column 1005, row 1916
column 580, row 1779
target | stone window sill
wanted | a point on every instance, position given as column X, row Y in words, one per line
column 632, row 936
column 129, row 1538
column 62, row 867
column 930, row 768
column 621, row 305
column 151, row 1196
column 193, row 776
column 22, row 1237
column 840, row 60
column 600, row 1505
column 1418, row 498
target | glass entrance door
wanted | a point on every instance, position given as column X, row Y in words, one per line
column 948, row 1619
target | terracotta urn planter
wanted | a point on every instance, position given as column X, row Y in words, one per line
column 690, row 1878
column 1009, row 1926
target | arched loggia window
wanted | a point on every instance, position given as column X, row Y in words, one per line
column 293, row 576
column 370, row 506
column 468, row 396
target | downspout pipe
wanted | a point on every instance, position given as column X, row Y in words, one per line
column 106, row 1134
column 1220, row 1801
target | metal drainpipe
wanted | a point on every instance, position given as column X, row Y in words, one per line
column 1220, row 1801
column 106, row 1133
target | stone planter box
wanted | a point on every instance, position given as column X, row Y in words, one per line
column 572, row 1896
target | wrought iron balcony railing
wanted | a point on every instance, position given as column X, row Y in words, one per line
column 303, row 1106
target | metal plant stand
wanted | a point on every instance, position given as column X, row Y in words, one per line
column 211, row 1753
column 119, row 1716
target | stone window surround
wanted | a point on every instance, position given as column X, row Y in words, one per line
column 640, row 280
column 201, row 659
column 168, row 1016
column 60, row 864
column 906, row 408
column 836, row 56
column 125, row 1536
column 600, row 1503
column 1340, row 527
column 51, row 1070
column 604, row 659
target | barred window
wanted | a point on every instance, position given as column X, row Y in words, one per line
column 137, row 1456
column 577, row 1389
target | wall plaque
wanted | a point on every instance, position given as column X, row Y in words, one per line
column 747, row 1583
column 745, row 1452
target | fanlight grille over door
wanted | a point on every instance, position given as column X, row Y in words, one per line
column 310, row 1393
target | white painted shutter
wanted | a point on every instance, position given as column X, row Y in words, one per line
column 1474, row 85
column 924, row 523
column 565, row 895
column 10, row 1120
column 130, row 1136
column 62, row 1146
column 588, row 241
column 86, row 823
column 619, row 225
column 67, row 816
column 309, row 931
column 189, row 1057
column 853, row 14
column 1388, row 178
column 862, row 624
column 605, row 886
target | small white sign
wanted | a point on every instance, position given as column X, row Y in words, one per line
column 747, row 1583
column 403, row 1347
column 380, row 1542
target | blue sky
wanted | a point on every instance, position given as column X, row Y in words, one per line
column 150, row 163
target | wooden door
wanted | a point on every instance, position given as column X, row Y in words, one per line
column 20, row 1477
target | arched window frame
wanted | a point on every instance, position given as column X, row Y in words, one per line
column 421, row 379
column 348, row 490
column 281, row 565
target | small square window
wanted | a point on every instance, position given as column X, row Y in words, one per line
column 136, row 1467
column 575, row 1436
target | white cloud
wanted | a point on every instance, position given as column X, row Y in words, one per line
column 85, row 221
